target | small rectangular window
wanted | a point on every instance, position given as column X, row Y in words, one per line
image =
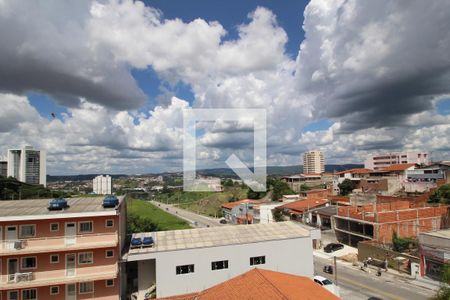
column 85, row 258
column 86, row 287
column 109, row 223
column 185, row 269
column 29, row 262
column 27, row 231
column 54, row 290
column 54, row 258
column 13, row 295
column 29, row 294
column 257, row 260
column 54, row 227
column 109, row 253
column 86, row 227
column 109, row 282
column 219, row 265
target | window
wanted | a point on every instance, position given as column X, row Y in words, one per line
column 86, row 287
column 54, row 290
column 109, row 223
column 219, row 265
column 29, row 262
column 85, row 258
column 30, row 294
column 109, row 282
column 185, row 269
column 85, row 227
column 13, row 295
column 27, row 231
column 109, row 253
column 54, row 258
column 54, row 227
column 257, row 260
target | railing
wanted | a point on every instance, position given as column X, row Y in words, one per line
column 60, row 242
column 37, row 278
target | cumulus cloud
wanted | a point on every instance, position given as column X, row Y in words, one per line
column 373, row 64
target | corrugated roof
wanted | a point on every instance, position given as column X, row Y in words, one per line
column 302, row 205
column 217, row 236
column 265, row 284
column 38, row 207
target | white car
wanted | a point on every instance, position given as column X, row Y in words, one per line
column 326, row 283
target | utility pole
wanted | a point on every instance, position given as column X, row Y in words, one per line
column 335, row 271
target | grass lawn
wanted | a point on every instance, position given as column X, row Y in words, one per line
column 182, row 197
column 211, row 204
column 151, row 213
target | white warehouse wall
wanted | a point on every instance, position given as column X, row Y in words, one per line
column 293, row 256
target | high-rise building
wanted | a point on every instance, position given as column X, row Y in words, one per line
column 376, row 162
column 313, row 162
column 28, row 165
column 3, row 168
column 101, row 185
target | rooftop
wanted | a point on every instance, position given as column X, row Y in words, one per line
column 217, row 236
column 329, row 210
column 37, row 208
column 355, row 171
column 264, row 284
column 397, row 167
column 306, row 204
column 445, row 234
column 230, row 205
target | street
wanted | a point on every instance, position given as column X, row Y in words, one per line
column 357, row 284
column 194, row 219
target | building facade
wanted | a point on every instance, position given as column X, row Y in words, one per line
column 68, row 254
column 101, row 185
column 313, row 162
column 186, row 261
column 379, row 161
column 28, row 165
column 434, row 248
column 4, row 168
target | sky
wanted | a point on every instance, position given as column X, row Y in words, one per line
column 102, row 85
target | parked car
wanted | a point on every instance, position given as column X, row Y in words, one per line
column 223, row 221
column 326, row 283
column 333, row 247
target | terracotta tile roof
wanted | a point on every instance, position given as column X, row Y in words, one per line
column 397, row 167
column 230, row 205
column 355, row 171
column 265, row 284
column 302, row 205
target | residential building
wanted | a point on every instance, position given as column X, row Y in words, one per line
column 379, row 161
column 101, row 185
column 71, row 253
column 321, row 217
column 380, row 220
column 239, row 212
column 313, row 162
column 262, row 213
column 28, row 165
column 297, row 210
column 189, row 261
column 4, row 168
column 263, row 284
column 434, row 248
column 295, row 182
column 427, row 178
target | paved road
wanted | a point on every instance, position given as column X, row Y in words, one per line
column 194, row 219
column 357, row 284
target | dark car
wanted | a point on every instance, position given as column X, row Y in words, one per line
column 333, row 247
column 58, row 204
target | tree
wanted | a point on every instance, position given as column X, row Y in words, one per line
column 228, row 183
column 346, row 187
column 277, row 215
column 279, row 188
column 441, row 195
column 444, row 291
column 401, row 244
column 255, row 195
column 304, row 187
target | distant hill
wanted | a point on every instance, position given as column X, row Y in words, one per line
column 218, row 172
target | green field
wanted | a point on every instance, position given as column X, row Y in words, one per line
column 144, row 216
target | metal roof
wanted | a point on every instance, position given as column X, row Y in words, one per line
column 217, row 236
column 37, row 208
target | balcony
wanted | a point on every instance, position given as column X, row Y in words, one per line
column 52, row 244
column 44, row 278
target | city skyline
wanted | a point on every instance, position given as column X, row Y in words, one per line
column 101, row 86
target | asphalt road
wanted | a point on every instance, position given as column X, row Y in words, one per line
column 195, row 220
column 357, row 284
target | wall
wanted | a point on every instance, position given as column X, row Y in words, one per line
column 292, row 256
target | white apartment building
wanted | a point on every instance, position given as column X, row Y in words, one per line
column 379, row 161
column 313, row 162
column 101, row 185
column 27, row 165
column 185, row 261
